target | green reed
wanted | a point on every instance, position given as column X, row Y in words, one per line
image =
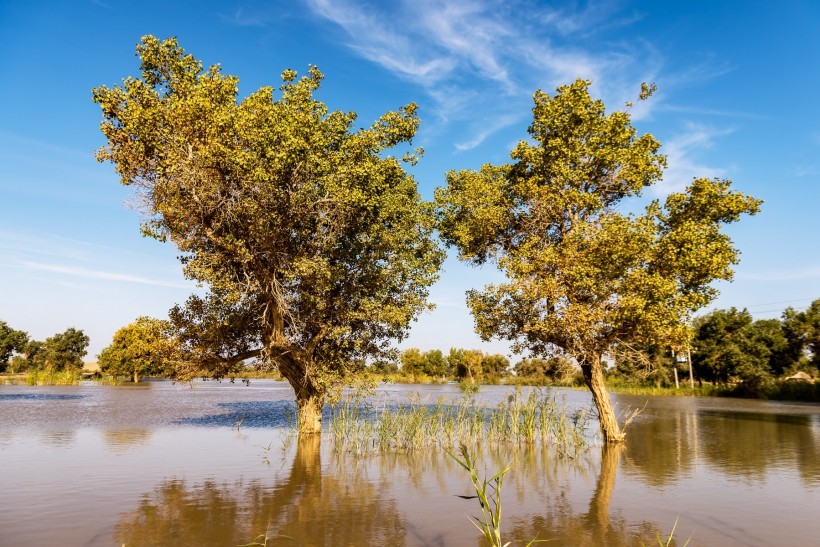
column 488, row 493
column 361, row 427
column 48, row 377
column 668, row 541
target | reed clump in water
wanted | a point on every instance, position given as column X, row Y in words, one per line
column 49, row 377
column 362, row 427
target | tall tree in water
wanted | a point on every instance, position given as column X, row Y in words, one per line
column 141, row 348
column 279, row 204
column 583, row 276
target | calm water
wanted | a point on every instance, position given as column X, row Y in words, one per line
column 157, row 464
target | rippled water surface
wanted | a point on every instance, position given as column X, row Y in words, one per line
column 156, row 464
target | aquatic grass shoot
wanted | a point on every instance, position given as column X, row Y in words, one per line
column 670, row 538
column 488, row 493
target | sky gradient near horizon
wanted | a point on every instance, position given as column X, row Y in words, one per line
column 737, row 98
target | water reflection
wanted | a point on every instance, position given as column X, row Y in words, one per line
column 121, row 440
column 760, row 443
column 168, row 467
column 560, row 524
column 58, row 438
column 750, row 446
column 663, row 451
column 38, row 397
column 247, row 414
column 306, row 508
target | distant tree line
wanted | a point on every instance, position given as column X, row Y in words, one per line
column 468, row 364
column 476, row 366
column 62, row 352
column 729, row 347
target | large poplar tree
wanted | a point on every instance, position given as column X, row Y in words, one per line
column 584, row 277
column 279, row 204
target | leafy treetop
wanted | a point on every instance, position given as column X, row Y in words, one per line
column 279, row 203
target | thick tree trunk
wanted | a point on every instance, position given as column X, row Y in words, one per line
column 310, row 397
column 136, row 377
column 309, row 417
column 594, row 379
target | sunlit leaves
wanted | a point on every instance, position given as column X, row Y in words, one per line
column 277, row 201
column 141, row 348
column 581, row 275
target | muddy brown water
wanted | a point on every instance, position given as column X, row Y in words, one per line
column 159, row 464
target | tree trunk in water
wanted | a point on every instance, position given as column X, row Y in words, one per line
column 310, row 397
column 136, row 377
column 594, row 379
column 310, row 403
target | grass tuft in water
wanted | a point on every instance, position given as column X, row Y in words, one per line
column 48, row 377
column 360, row 427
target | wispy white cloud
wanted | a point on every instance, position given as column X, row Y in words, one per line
column 373, row 36
column 465, row 32
column 507, row 50
column 810, row 272
column 103, row 275
column 805, row 171
column 485, row 131
column 444, row 302
column 76, row 261
column 244, row 18
column 61, row 282
column 713, row 112
column 587, row 18
column 707, row 69
column 257, row 13
column 450, row 48
column 19, row 244
column 682, row 153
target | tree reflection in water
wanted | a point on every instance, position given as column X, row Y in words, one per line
column 560, row 524
column 121, row 440
column 307, row 508
column 411, row 498
column 747, row 445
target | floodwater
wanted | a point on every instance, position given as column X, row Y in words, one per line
column 159, row 464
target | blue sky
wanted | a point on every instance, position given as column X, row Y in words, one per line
column 737, row 98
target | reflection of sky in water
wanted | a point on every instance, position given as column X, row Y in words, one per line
column 80, row 463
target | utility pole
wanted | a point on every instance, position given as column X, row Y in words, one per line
column 675, row 368
column 689, row 360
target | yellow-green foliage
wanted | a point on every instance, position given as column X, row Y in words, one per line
column 141, row 348
column 583, row 275
column 51, row 377
column 279, row 204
